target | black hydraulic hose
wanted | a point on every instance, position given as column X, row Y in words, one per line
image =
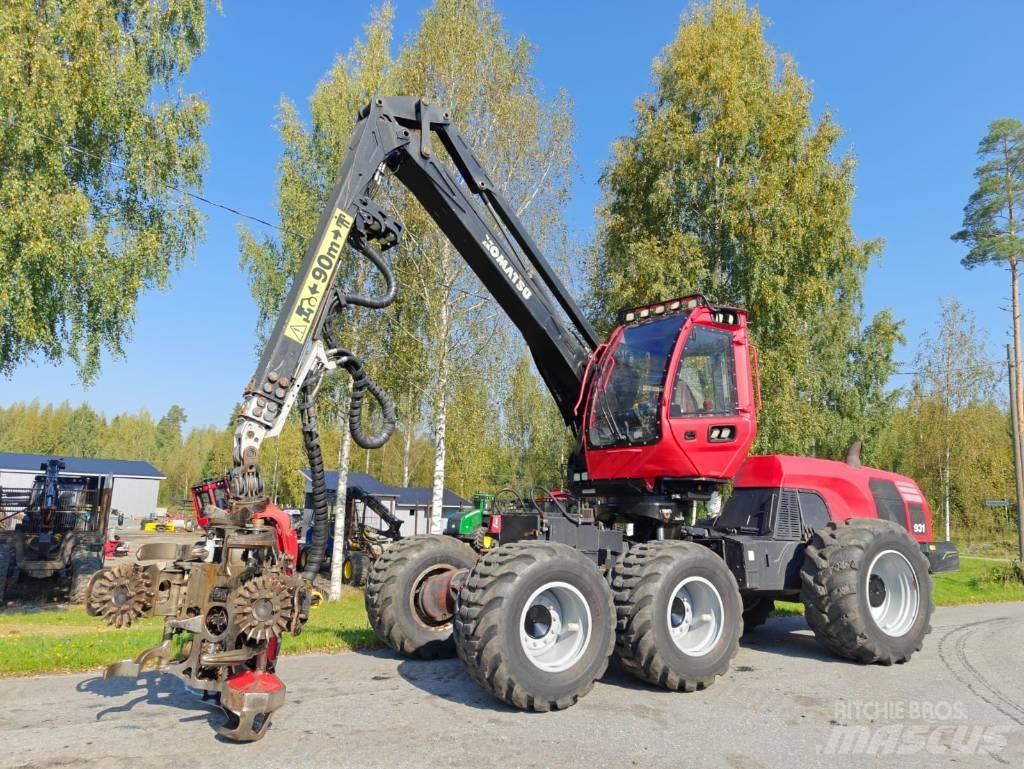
column 311, row 438
column 374, row 302
column 510, row 492
column 561, row 508
column 363, row 383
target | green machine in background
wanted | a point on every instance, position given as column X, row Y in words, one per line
column 471, row 525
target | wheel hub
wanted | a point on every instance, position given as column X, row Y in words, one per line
column 555, row 627
column 538, row 621
column 876, row 591
column 695, row 616
column 681, row 614
column 894, row 594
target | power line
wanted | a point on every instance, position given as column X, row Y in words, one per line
column 194, row 195
column 981, row 367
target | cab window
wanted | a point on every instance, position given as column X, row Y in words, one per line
column 706, row 382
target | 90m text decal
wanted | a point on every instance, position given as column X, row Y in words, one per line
column 320, row 277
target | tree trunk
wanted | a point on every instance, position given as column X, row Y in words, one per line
column 440, row 424
column 406, row 456
column 945, row 492
column 1019, row 394
column 340, row 535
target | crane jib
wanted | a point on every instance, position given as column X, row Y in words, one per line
column 320, row 277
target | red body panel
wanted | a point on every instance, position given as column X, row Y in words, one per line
column 254, row 682
column 287, row 539
column 685, row 449
column 844, row 487
column 213, row 491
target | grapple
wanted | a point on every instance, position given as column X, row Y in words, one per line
column 227, row 601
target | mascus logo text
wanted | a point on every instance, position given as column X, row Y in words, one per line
column 499, row 258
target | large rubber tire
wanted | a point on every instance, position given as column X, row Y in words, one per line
column 645, row 582
column 489, row 624
column 83, row 566
column 756, row 612
column 390, row 591
column 834, row 589
column 357, row 569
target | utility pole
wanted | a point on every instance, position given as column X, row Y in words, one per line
column 1018, row 461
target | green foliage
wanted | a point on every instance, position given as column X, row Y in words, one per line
column 949, row 433
column 537, row 441
column 1008, row 573
column 728, row 187
column 86, row 230
column 993, row 212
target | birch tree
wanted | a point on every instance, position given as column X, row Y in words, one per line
column 95, row 137
column 462, row 57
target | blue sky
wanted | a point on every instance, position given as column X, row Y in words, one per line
column 913, row 84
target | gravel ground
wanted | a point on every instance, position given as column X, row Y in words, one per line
column 785, row 703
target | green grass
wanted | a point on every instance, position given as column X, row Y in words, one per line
column 68, row 640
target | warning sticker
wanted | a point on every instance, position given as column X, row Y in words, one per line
column 320, row 278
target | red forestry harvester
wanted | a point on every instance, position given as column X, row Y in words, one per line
column 665, row 412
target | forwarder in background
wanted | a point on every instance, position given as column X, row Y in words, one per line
column 366, row 539
column 59, row 528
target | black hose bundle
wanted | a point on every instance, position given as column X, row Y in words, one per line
column 311, row 439
column 362, row 383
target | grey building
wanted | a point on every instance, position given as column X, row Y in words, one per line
column 134, row 484
column 411, row 504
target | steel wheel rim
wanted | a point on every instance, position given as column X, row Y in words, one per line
column 900, row 601
column 695, row 616
column 555, row 627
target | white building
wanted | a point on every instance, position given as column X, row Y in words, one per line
column 134, row 484
column 411, row 504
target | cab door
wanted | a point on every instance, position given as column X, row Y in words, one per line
column 709, row 405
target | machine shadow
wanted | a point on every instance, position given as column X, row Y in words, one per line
column 446, row 679
column 155, row 689
column 789, row 636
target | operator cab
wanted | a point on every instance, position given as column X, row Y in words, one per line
column 672, row 397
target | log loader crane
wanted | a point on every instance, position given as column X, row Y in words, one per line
column 665, row 412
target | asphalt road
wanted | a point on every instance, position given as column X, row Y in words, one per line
column 785, row 703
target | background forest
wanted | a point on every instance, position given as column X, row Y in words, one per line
column 728, row 184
